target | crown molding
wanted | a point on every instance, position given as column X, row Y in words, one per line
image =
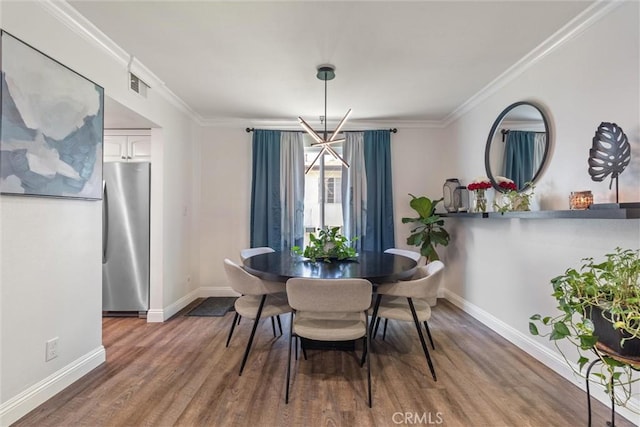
column 72, row 19
column 292, row 124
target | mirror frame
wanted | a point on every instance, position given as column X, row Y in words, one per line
column 492, row 132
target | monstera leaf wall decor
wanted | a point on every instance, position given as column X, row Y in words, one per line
column 609, row 154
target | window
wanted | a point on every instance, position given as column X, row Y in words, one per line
column 322, row 189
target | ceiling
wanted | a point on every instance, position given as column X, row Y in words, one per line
column 395, row 61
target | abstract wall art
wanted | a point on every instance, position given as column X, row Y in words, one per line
column 51, row 126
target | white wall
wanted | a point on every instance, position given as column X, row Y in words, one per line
column 500, row 269
column 50, row 249
column 418, row 166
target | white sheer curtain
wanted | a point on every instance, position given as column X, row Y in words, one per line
column 354, row 188
column 539, row 145
column 292, row 189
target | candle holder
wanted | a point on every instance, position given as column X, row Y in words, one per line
column 580, row 200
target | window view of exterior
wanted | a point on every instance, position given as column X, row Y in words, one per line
column 322, row 189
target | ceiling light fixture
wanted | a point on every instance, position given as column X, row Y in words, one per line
column 325, row 73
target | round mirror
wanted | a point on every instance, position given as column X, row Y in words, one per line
column 518, row 145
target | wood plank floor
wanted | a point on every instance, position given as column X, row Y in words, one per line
column 179, row 373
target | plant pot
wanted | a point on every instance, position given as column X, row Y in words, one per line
column 611, row 337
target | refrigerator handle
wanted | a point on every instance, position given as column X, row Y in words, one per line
column 105, row 221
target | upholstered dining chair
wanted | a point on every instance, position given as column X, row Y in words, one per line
column 330, row 310
column 260, row 299
column 409, row 301
column 249, row 252
column 416, row 256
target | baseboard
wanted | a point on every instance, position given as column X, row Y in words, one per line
column 20, row 405
column 545, row 355
column 160, row 315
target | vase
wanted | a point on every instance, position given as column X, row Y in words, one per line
column 479, row 201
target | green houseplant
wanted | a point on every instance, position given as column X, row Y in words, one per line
column 429, row 228
column 599, row 303
column 327, row 245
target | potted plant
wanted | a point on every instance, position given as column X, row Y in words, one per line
column 328, row 245
column 429, row 228
column 599, row 303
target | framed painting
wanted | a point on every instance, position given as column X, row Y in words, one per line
column 51, row 126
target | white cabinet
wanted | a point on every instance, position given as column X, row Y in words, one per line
column 127, row 145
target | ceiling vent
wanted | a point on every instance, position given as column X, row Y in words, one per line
column 137, row 85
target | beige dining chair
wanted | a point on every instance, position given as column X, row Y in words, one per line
column 260, row 299
column 409, row 301
column 330, row 310
column 416, row 256
column 249, row 252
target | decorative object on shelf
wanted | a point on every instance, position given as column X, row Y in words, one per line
column 329, row 245
column 479, row 186
column 610, row 153
column 51, row 126
column 325, row 73
column 580, row 200
column 461, row 194
column 512, row 200
column 599, row 304
column 429, row 228
column 449, row 196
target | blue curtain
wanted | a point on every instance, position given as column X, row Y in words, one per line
column 519, row 157
column 266, row 211
column 379, row 234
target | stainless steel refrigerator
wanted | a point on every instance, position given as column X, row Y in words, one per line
column 125, row 237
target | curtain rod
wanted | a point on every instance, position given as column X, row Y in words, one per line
column 392, row 130
column 504, row 132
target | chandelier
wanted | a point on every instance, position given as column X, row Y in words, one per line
column 325, row 73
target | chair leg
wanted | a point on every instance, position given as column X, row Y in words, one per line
column 253, row 332
column 375, row 329
column 376, row 306
column 279, row 324
column 424, row 344
column 368, row 356
column 426, row 326
column 286, row 396
column 233, row 325
column 384, row 331
column 273, row 326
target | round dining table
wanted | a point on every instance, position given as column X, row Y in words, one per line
column 377, row 267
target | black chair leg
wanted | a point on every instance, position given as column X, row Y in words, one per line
column 424, row 344
column 426, row 326
column 374, row 315
column 279, row 324
column 273, row 326
column 368, row 357
column 384, row 331
column 233, row 325
column 286, row 396
column 375, row 329
column 253, row 332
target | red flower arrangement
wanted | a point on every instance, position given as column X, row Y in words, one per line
column 506, row 183
column 481, row 185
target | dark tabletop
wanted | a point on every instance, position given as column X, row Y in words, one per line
column 377, row 267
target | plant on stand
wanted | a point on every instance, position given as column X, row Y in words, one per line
column 599, row 308
column 429, row 231
column 479, row 186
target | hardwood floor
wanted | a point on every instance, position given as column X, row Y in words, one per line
column 179, row 373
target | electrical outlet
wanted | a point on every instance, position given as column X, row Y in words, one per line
column 51, row 349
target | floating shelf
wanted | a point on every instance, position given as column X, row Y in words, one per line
column 609, row 213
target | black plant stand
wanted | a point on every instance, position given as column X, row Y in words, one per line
column 605, row 351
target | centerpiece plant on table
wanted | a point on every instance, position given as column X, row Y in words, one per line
column 599, row 307
column 328, row 245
